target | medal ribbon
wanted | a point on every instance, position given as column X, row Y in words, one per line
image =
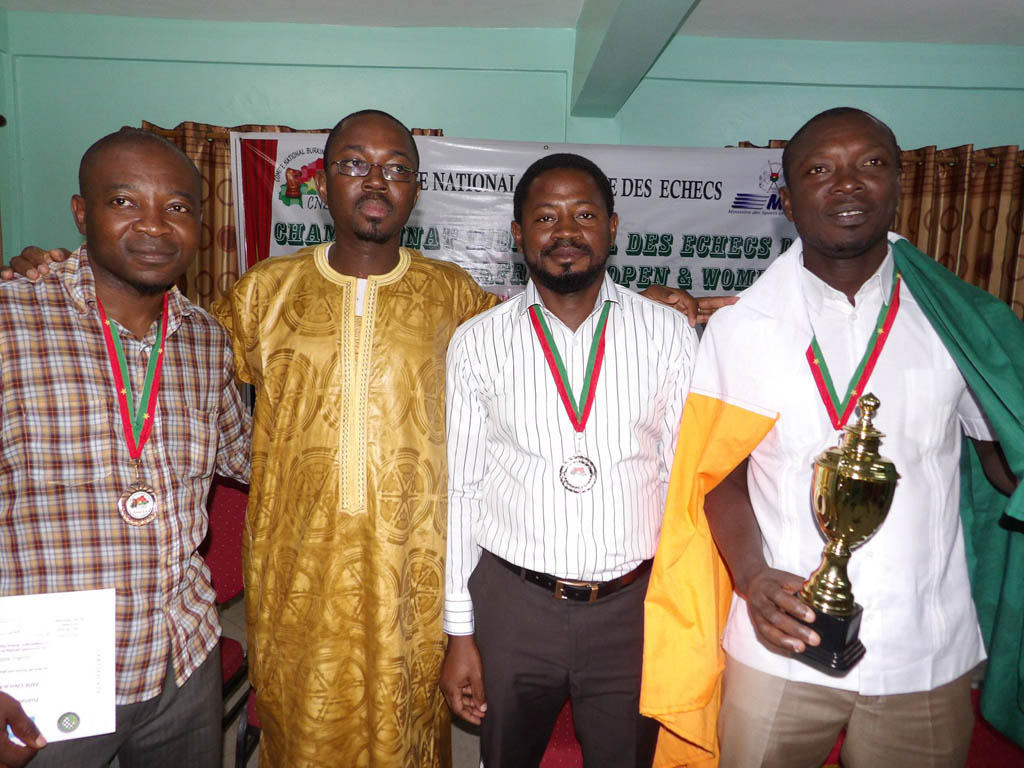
column 137, row 424
column 579, row 411
column 839, row 411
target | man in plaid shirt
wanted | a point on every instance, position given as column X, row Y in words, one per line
column 105, row 485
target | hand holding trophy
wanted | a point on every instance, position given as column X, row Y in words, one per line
column 851, row 490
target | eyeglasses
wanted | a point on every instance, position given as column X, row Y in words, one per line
column 390, row 171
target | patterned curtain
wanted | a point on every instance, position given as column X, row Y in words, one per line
column 963, row 207
column 992, row 246
column 215, row 268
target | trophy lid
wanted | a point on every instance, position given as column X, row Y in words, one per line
column 859, row 452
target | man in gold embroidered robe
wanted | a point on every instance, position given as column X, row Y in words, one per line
column 344, row 544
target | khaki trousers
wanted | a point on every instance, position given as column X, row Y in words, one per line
column 771, row 722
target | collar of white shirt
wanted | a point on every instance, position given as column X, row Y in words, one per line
column 817, row 291
column 531, row 296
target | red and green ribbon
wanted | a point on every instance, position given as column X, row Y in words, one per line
column 578, row 410
column 137, row 423
column 839, row 411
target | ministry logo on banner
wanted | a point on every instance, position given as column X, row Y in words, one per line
column 768, row 202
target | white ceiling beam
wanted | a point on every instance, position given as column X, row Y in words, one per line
column 617, row 41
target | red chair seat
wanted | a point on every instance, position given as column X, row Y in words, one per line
column 563, row 750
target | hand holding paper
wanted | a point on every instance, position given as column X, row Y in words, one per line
column 13, row 717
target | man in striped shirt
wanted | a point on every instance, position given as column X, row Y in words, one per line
column 103, row 489
column 563, row 409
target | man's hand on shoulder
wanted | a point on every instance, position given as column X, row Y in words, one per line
column 772, row 606
column 462, row 679
column 33, row 263
column 11, row 714
column 696, row 310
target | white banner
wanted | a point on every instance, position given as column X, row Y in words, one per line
column 707, row 220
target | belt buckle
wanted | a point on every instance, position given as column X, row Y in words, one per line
column 560, row 585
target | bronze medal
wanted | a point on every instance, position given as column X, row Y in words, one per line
column 137, row 505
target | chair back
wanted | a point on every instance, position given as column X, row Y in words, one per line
column 222, row 547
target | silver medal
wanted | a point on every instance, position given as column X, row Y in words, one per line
column 578, row 474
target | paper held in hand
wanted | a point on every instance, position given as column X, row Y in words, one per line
column 57, row 660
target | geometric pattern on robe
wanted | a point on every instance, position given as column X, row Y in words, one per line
column 345, row 531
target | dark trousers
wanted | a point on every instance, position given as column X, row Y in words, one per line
column 537, row 650
column 180, row 727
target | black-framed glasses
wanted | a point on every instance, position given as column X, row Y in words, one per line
column 391, row 171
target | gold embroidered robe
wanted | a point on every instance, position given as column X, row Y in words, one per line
column 345, row 532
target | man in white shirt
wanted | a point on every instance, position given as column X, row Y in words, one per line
column 563, row 411
column 907, row 701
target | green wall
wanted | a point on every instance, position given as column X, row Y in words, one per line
column 713, row 91
column 65, row 80
column 9, row 212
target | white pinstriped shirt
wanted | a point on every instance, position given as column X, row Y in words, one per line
column 509, row 434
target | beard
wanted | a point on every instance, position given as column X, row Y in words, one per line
column 565, row 281
column 372, row 232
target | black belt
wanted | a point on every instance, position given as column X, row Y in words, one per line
column 580, row 591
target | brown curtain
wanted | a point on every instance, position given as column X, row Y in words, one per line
column 991, row 253
column 215, row 268
column 963, row 207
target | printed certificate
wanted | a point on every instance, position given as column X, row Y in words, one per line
column 57, row 660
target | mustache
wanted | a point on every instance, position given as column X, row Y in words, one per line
column 151, row 246
column 578, row 245
column 368, row 197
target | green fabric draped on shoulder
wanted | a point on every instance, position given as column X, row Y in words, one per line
column 986, row 340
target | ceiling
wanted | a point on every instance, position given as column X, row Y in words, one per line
column 995, row 22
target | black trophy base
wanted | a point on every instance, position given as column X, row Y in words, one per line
column 840, row 650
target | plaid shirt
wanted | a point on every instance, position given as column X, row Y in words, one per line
column 64, row 463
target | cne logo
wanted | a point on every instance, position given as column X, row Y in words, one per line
column 767, row 203
column 299, row 182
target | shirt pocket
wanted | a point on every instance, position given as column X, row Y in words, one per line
column 191, row 439
column 72, row 449
column 929, row 407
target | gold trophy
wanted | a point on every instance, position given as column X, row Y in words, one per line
column 851, row 491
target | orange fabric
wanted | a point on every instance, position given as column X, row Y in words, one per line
column 690, row 591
